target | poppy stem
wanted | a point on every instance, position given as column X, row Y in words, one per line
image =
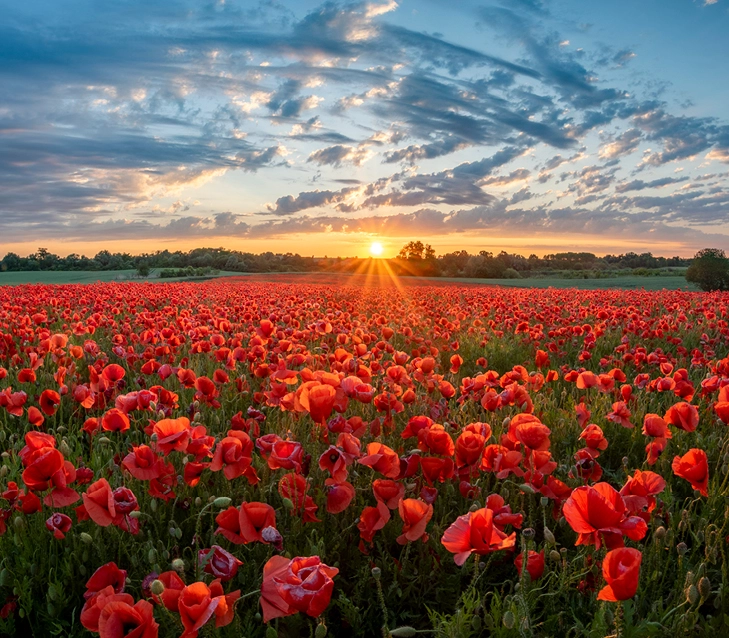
column 619, row 618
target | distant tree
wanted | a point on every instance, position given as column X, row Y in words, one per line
column 143, row 270
column 709, row 270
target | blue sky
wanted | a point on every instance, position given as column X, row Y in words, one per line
column 317, row 128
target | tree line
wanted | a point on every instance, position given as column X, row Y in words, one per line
column 415, row 258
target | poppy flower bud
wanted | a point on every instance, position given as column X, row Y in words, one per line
column 61, row 429
column 152, row 556
column 474, row 508
column 222, row 501
column 157, row 587
column 554, row 556
column 178, row 565
column 660, row 533
column 376, row 573
column 4, row 471
column 64, row 449
column 692, row 594
column 287, row 503
column 135, row 514
column 544, row 501
column 271, row 632
column 681, row 548
column 505, row 423
column 103, row 440
column 508, row 620
column 153, row 505
column 19, row 523
column 86, row 538
column 528, row 533
column 198, row 501
column 406, row 632
column 548, row 536
column 704, row 587
column 321, row 630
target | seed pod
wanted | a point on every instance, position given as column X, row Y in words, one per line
column 544, row 501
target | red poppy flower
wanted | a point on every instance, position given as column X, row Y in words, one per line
column 339, row 495
column 233, row 456
column 621, row 569
column 120, row 619
column 534, row 566
column 287, row 455
column 173, row 588
column 143, row 464
column 196, row 606
column 475, row 532
column 381, row 459
column 99, row 503
column 306, row 585
column 105, row 576
column 389, row 492
column 219, row 562
column 371, row 520
column 598, row 514
column 91, row 612
column 694, row 467
column 114, row 420
column 620, row 414
column 415, row 515
column 59, row 524
column 640, row 490
column 253, row 518
column 683, row 415
column 529, row 431
column 172, row 435
column 594, row 439
column 49, row 401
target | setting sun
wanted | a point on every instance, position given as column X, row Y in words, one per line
column 376, row 249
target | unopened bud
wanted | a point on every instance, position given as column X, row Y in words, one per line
column 704, row 587
column 681, row 548
column 660, row 533
column 288, row 503
column 692, row 594
column 544, row 501
column 376, row 573
column 178, row 565
column 222, row 501
column 86, row 538
column 528, row 533
column 157, row 587
column 405, row 632
column 135, row 514
column 548, row 536
column 321, row 630
column 508, row 620
column 554, row 556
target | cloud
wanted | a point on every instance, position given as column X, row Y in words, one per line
column 338, row 155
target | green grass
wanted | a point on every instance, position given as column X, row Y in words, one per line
column 90, row 276
column 85, row 277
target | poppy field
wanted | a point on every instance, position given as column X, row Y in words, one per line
column 248, row 458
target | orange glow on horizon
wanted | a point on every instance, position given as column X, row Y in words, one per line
column 352, row 245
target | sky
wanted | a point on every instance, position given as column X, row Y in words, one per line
column 534, row 126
